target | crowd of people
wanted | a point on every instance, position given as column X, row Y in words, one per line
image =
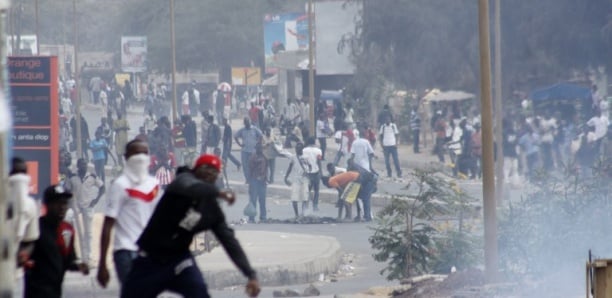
column 535, row 140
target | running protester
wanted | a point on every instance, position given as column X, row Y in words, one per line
column 188, row 207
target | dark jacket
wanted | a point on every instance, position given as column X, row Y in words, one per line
column 53, row 254
column 188, row 207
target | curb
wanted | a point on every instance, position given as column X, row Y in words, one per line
column 304, row 270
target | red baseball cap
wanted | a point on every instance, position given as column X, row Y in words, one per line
column 208, row 160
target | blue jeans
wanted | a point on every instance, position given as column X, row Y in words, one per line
column 99, row 166
column 367, row 188
column 150, row 277
column 257, row 193
column 338, row 157
column 123, row 263
column 245, row 156
column 391, row 150
column 227, row 154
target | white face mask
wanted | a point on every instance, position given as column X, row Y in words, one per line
column 137, row 167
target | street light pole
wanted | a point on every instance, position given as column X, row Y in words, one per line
column 499, row 150
column 173, row 45
column 311, row 89
column 79, row 133
column 488, row 178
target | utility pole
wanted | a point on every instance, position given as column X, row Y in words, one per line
column 488, row 163
column 8, row 247
column 499, row 152
column 311, row 89
column 79, row 133
column 173, row 45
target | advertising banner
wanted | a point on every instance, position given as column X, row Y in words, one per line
column 35, row 104
column 246, row 76
column 284, row 32
column 134, row 53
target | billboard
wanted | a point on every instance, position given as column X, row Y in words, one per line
column 27, row 44
column 284, row 32
column 134, row 53
column 35, row 104
column 249, row 76
column 334, row 19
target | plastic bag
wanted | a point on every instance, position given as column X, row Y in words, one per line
column 250, row 210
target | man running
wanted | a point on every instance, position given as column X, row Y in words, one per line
column 188, row 207
column 132, row 197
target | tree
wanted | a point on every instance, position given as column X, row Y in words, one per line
column 406, row 237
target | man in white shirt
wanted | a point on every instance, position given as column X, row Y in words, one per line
column 388, row 137
column 361, row 161
column 601, row 123
column 298, row 181
column 292, row 112
column 312, row 164
column 87, row 189
column 321, row 131
column 362, row 152
column 342, row 140
column 131, row 200
column 191, row 101
column 27, row 230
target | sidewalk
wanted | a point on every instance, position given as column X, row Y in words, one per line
column 304, row 258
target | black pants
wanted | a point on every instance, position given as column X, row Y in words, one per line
column 416, row 135
column 439, row 149
column 323, row 143
column 314, row 185
column 150, row 277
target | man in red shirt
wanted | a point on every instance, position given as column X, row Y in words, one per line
column 254, row 114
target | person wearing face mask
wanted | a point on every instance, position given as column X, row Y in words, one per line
column 87, row 189
column 188, row 207
column 26, row 209
column 131, row 199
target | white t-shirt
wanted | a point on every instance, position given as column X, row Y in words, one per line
column 297, row 173
column 27, row 224
column 349, row 115
column 320, row 130
column 362, row 150
column 310, row 157
column 455, row 143
column 601, row 126
column 548, row 127
column 388, row 133
column 86, row 190
column 131, row 205
column 343, row 146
